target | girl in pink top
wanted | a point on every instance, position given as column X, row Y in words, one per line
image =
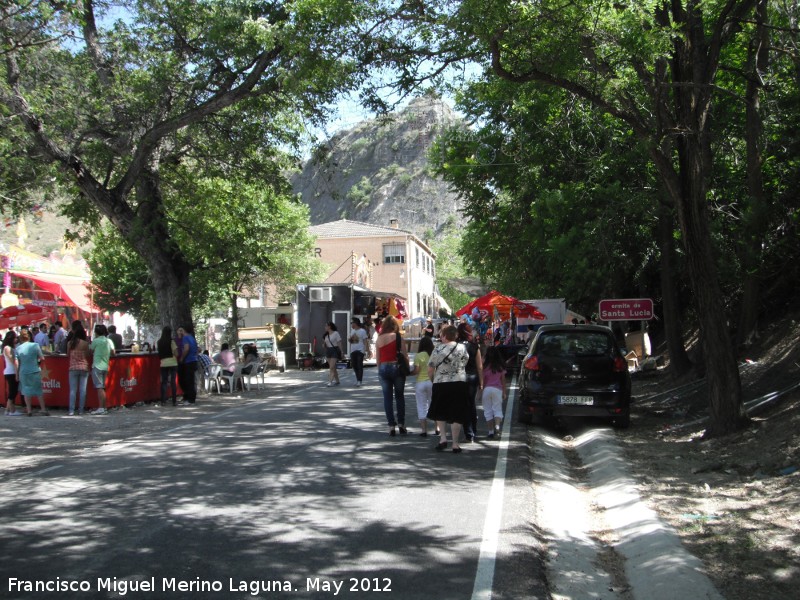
column 79, row 365
column 494, row 390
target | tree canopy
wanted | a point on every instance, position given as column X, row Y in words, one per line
column 662, row 71
column 117, row 94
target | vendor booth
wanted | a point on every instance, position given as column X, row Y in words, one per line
column 320, row 304
column 494, row 317
column 131, row 378
column 60, row 286
column 56, row 289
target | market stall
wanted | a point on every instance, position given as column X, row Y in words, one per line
column 131, row 378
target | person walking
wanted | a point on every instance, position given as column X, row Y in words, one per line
column 393, row 382
column 474, row 371
column 494, row 391
column 101, row 349
column 332, row 340
column 187, row 364
column 78, row 354
column 29, row 357
column 11, row 373
column 359, row 346
column 424, row 386
column 167, row 351
column 450, row 396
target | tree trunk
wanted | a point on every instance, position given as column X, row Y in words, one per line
column 234, row 332
column 722, row 373
column 679, row 362
column 754, row 215
column 693, row 66
column 148, row 233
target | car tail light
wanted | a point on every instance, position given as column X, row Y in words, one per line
column 620, row 365
column 532, row 363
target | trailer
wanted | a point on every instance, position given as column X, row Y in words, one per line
column 554, row 310
column 320, row 304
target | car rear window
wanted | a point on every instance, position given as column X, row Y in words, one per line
column 575, row 343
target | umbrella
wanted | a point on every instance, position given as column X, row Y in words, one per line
column 500, row 307
column 24, row 314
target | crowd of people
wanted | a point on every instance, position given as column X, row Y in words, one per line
column 24, row 352
column 450, row 378
column 181, row 363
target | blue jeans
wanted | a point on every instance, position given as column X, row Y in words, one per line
column 393, row 383
column 77, row 388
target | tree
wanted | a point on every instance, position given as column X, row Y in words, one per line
column 449, row 265
column 240, row 234
column 651, row 65
column 112, row 104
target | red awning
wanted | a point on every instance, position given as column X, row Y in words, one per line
column 67, row 287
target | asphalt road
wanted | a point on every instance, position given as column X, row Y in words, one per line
column 298, row 492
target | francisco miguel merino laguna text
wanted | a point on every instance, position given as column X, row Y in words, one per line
column 172, row 584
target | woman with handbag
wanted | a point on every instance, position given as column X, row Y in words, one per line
column 393, row 381
column 332, row 340
column 450, row 398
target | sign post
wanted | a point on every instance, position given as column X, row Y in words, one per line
column 626, row 309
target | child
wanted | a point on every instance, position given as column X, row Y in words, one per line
column 424, row 387
column 494, row 390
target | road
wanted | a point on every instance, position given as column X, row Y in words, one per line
column 297, row 492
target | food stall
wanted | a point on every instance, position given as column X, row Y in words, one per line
column 58, row 290
column 131, row 378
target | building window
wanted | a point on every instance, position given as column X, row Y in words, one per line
column 418, row 302
column 394, row 253
column 416, row 253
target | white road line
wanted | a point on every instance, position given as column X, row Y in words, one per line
column 484, row 576
column 47, row 470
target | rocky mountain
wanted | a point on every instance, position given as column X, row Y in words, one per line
column 378, row 171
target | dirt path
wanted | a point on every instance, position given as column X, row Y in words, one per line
column 734, row 502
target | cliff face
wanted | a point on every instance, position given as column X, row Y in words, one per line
column 378, row 171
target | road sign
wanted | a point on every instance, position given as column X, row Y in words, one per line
column 626, row 309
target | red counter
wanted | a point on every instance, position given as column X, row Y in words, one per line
column 131, row 378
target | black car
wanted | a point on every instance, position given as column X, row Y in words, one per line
column 575, row 371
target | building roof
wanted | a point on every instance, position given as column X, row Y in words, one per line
column 348, row 229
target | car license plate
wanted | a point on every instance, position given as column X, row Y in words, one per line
column 584, row 400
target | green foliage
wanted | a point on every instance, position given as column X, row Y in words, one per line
column 176, row 91
column 557, row 197
column 120, row 281
column 361, row 193
column 240, row 235
column 449, row 266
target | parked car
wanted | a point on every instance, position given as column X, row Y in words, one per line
column 575, row 371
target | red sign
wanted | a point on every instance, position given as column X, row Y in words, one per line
column 626, row 309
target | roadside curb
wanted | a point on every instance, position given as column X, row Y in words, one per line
column 656, row 565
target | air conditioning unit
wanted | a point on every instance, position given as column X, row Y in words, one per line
column 320, row 294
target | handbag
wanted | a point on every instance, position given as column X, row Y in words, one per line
column 402, row 359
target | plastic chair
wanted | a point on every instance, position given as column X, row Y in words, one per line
column 211, row 378
column 257, row 372
column 233, row 379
